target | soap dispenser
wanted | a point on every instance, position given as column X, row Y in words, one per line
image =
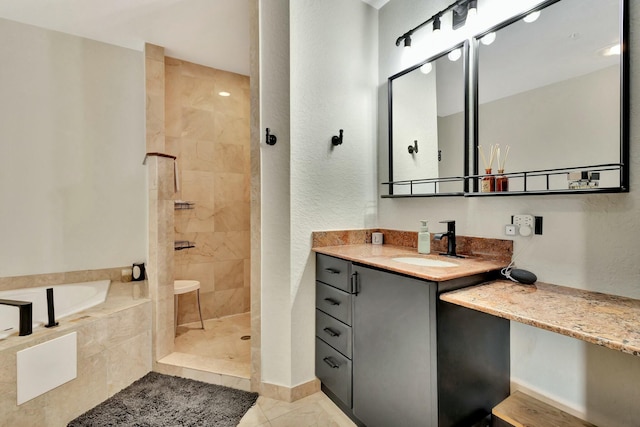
column 424, row 238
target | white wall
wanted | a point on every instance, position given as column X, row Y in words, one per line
column 319, row 67
column 275, row 193
column 589, row 242
column 333, row 74
column 72, row 183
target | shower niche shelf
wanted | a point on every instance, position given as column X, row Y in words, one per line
column 179, row 245
column 181, row 204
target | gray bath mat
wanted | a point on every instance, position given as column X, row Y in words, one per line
column 163, row 400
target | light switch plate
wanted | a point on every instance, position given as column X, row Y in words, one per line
column 510, row 230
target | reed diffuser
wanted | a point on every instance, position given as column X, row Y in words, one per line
column 502, row 181
column 488, row 182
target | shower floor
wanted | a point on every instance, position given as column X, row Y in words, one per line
column 219, row 348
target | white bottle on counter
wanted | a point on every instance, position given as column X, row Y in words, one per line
column 424, row 238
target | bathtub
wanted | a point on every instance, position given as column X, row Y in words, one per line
column 68, row 299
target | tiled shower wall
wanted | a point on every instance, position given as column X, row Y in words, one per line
column 209, row 135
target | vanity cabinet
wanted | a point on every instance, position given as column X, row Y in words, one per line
column 334, row 340
column 394, row 375
column 389, row 353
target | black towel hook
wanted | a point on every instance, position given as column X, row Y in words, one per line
column 413, row 148
column 271, row 139
column 337, row 140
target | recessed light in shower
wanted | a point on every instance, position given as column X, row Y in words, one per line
column 224, row 93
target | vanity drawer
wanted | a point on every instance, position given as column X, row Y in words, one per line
column 334, row 371
column 334, row 333
column 333, row 271
column 334, row 302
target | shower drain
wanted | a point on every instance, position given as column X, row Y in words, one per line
column 245, row 337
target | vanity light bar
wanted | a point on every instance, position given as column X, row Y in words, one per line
column 460, row 10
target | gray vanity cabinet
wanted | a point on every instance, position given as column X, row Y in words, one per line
column 394, row 373
column 389, row 353
column 334, row 340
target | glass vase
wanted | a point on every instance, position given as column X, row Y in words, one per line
column 488, row 183
column 502, row 182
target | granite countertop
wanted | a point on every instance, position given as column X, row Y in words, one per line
column 607, row 320
column 381, row 256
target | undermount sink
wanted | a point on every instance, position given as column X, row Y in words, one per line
column 425, row 262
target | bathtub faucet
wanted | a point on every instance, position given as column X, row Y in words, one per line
column 26, row 314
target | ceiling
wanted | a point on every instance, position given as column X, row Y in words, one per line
column 214, row 33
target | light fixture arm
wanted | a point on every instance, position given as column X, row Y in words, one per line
column 458, row 7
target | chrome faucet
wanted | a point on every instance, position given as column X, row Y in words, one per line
column 451, row 237
column 26, row 314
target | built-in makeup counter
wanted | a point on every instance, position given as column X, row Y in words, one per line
column 607, row 320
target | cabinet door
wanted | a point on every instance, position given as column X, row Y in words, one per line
column 394, row 351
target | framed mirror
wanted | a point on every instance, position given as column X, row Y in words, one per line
column 551, row 85
column 428, row 131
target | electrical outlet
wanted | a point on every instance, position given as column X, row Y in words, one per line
column 510, row 230
column 525, row 224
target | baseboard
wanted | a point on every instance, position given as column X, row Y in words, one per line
column 289, row 394
column 556, row 402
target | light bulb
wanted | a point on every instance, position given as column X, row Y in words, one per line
column 488, row 38
column 426, row 68
column 532, row 17
column 224, row 93
column 454, row 55
column 613, row 50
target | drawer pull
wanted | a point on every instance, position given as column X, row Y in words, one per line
column 329, row 361
column 331, row 332
column 332, row 271
column 332, row 301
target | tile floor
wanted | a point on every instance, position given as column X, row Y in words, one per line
column 312, row 411
column 219, row 349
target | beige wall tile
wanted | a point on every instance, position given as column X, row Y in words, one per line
column 122, row 325
column 198, row 124
column 198, row 155
column 229, row 274
column 229, row 186
column 77, row 396
column 229, row 158
column 231, row 215
column 154, row 76
column 198, row 92
column 190, row 69
column 229, row 302
column 93, row 337
column 153, row 51
column 197, row 186
column 214, row 166
column 230, row 129
column 231, row 245
column 128, row 361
